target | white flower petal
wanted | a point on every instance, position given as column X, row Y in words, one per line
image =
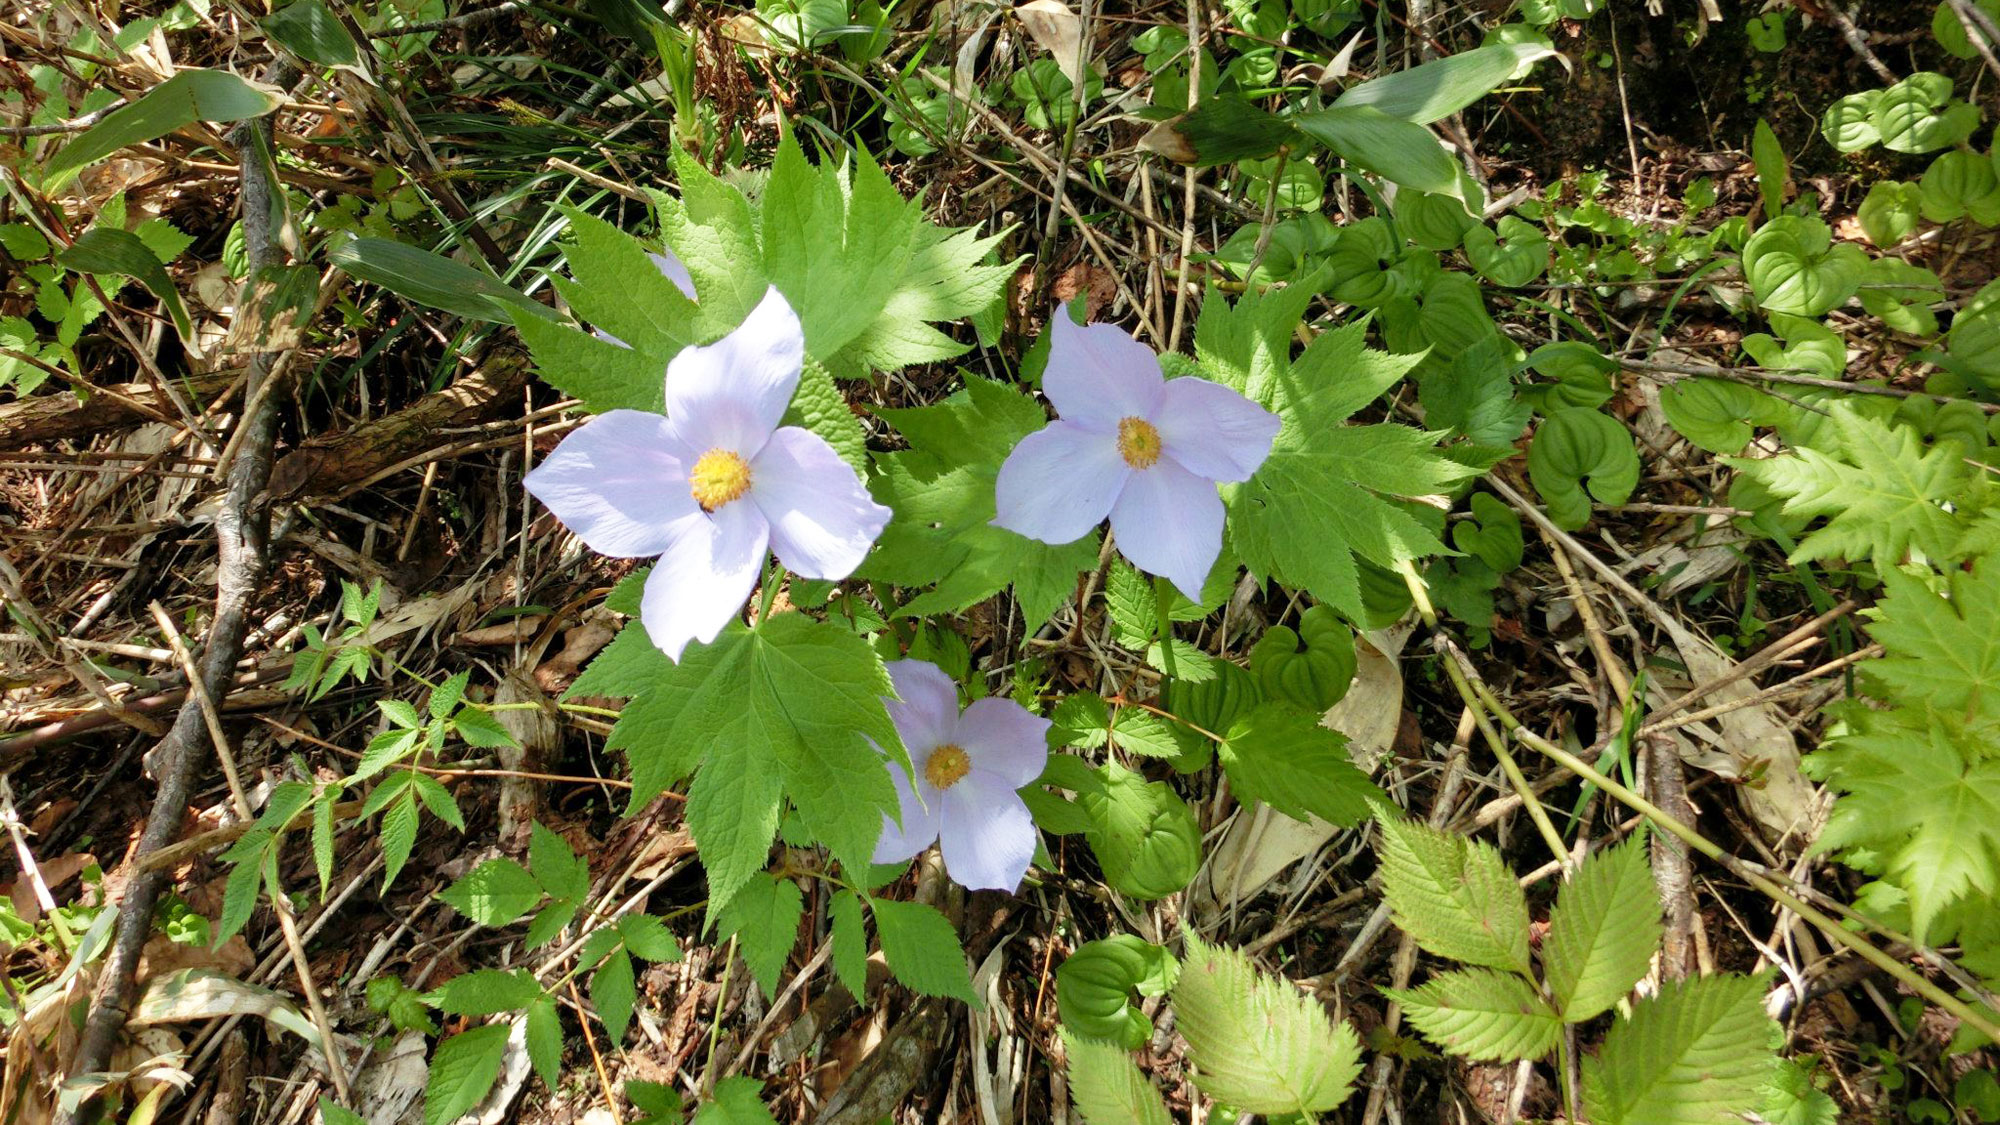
column 674, row 270
column 1005, row 739
column 925, row 709
column 919, row 829
column 1060, row 482
column 701, row 582
column 618, row 482
column 1169, row 522
column 731, row 394
column 988, row 836
column 1097, row 375
column 822, row 519
column 1213, row 431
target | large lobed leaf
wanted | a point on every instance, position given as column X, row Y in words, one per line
column 1941, row 650
column 1257, row 1043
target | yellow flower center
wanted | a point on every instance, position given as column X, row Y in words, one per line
column 718, row 477
column 948, row 765
column 1138, row 442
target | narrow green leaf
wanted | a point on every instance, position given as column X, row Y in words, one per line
column 399, row 834
column 309, row 30
column 103, row 250
column 1437, row 89
column 613, row 990
column 850, row 943
column 435, row 281
column 1390, row 147
column 545, row 1041
column 189, row 96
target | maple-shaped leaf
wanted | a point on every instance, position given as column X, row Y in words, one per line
column 942, row 492
column 1942, row 650
column 1882, row 493
column 1922, row 791
column 1330, row 491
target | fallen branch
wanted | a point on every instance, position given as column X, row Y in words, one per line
column 58, row 417
column 242, row 527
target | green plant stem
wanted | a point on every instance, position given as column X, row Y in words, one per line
column 1494, row 741
column 1981, row 1022
column 1163, row 603
column 774, row 580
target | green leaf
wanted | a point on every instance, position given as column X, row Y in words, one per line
column 245, row 884
column 1699, row 1052
column 819, row 406
column 1257, row 1043
column 189, row 96
column 1310, row 667
column 1482, row 1014
column 1437, row 89
column 1960, row 183
column 1095, row 983
column 1849, row 125
column 330, row 1113
column 1390, row 147
column 1794, row 267
column 923, row 950
column 482, row 730
column 613, row 990
column 1602, row 932
column 1576, row 444
column 625, row 668
column 1493, row 535
column 1455, row 896
column 436, row 281
column 24, row 242
column 1144, row 836
column 1919, row 115
column 647, row 937
column 1512, row 254
column 1809, row 346
column 496, row 893
column 1890, row 213
column 1940, row 646
column 104, row 250
column 620, row 290
column 1139, row 732
column 735, row 1101
column 764, row 917
column 1884, row 494
column 850, row 943
column 1106, row 1086
column 309, row 30
column 788, row 708
column 399, row 833
column 942, row 493
column 1327, row 494
column 1902, row 295
column 545, row 1040
column 1283, row 757
column 1773, row 170
column 556, row 868
column 1792, row 1099
column 462, row 1072
column 484, row 992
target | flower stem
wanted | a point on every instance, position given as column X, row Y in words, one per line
column 774, row 580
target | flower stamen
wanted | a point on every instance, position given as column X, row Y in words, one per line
column 948, row 765
column 718, row 477
column 1138, row 442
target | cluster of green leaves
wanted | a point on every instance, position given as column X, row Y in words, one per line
column 1256, row 1044
column 69, row 287
column 1696, row 1052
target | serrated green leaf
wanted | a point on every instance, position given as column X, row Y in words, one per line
column 545, row 1040
column 922, row 949
column 620, row 290
column 1256, row 1042
column 330, row 1113
column 613, row 990
column 648, row 938
column 1106, row 1086
column 1138, row 731
column 496, row 893
column 559, row 871
column 1455, row 896
column 1882, row 492
column 463, row 1069
column 1283, row 757
column 481, row 730
column 245, row 885
column 1325, row 495
column 819, row 406
column 484, row 992
column 602, row 375
column 399, row 834
column 735, row 1101
column 1940, row 646
column 625, row 668
column 1698, row 1053
column 850, row 943
column 764, row 918
column 1602, row 932
column 1482, row 1014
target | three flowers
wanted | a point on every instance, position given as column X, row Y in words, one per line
column 718, row 483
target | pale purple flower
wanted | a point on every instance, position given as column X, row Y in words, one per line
column 968, row 767
column 671, row 268
column 1132, row 444
column 715, row 484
